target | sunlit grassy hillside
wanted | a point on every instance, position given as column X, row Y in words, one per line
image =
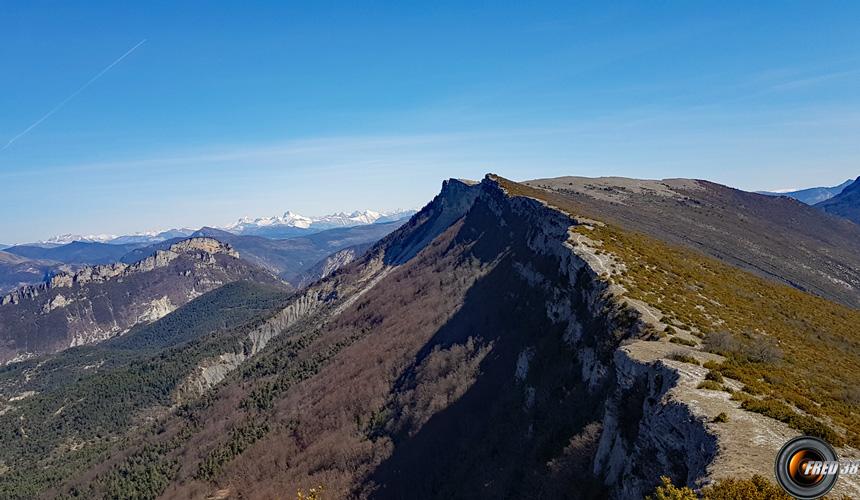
column 797, row 355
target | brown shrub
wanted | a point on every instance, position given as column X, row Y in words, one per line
column 721, row 418
column 763, row 350
column 712, row 365
column 721, row 343
column 754, row 488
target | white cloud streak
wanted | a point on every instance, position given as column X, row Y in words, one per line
column 72, row 95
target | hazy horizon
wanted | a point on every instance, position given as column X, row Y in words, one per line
column 283, row 212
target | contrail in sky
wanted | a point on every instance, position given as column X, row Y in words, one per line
column 73, row 95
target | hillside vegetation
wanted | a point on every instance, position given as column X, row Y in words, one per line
column 796, row 353
column 83, row 400
column 775, row 238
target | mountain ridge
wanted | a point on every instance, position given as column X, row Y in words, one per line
column 762, row 234
column 846, row 204
column 812, row 195
column 76, row 252
column 94, row 303
column 534, row 341
column 287, row 225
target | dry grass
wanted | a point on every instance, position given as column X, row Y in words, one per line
column 710, row 385
column 781, row 342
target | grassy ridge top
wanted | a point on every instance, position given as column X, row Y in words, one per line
column 817, row 369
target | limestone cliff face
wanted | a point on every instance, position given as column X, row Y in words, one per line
column 485, row 333
column 646, row 433
column 203, row 249
column 648, row 430
column 325, row 299
column 482, row 350
column 99, row 302
column 656, row 419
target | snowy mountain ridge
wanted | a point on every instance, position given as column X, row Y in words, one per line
column 286, row 225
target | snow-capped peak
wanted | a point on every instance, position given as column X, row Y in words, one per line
column 64, row 239
column 357, row 218
column 296, row 220
column 290, row 219
column 279, row 226
column 137, row 237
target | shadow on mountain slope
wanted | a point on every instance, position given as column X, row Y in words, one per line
column 521, row 428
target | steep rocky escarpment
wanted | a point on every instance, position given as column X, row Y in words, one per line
column 774, row 375
column 581, row 416
column 502, row 343
column 99, row 302
column 327, row 266
column 480, row 334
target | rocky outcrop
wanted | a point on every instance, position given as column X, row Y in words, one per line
column 645, row 432
column 98, row 302
column 487, row 334
column 332, row 264
column 203, row 249
column 330, row 295
column 212, row 371
column 662, row 436
column 657, row 419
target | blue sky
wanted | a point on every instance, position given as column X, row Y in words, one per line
column 252, row 108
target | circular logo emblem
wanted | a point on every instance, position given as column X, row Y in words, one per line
column 806, row 467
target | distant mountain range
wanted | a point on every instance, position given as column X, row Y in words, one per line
column 292, row 224
column 29, row 275
column 76, row 252
column 289, row 258
column 277, row 227
column 811, row 196
column 846, row 204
